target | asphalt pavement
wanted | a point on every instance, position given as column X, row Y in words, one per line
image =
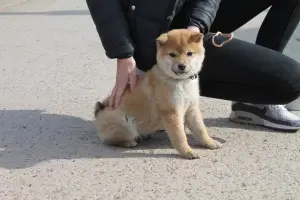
column 53, row 69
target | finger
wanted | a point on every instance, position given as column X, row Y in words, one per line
column 133, row 80
column 119, row 93
column 112, row 97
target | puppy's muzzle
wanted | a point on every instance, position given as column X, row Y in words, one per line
column 180, row 69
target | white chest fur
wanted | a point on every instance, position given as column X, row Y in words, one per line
column 185, row 92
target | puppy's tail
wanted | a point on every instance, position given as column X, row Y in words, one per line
column 98, row 107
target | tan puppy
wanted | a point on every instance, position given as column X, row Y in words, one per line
column 167, row 98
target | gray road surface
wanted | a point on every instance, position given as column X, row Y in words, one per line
column 53, row 69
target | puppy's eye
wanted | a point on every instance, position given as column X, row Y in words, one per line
column 172, row 55
column 189, row 53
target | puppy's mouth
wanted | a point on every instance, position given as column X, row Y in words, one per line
column 180, row 72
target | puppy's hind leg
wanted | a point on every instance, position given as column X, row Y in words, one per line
column 118, row 129
column 118, row 139
column 130, row 124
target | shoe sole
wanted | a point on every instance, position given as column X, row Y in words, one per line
column 248, row 118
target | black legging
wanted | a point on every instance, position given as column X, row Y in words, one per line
column 241, row 71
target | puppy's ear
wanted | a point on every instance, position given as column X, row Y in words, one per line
column 162, row 39
column 195, row 37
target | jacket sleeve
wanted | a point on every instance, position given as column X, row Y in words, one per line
column 202, row 13
column 112, row 27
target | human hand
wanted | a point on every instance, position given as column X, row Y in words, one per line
column 126, row 73
column 194, row 28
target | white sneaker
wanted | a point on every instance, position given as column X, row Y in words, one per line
column 271, row 116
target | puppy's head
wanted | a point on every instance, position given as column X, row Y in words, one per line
column 180, row 53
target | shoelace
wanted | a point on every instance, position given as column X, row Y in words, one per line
column 280, row 111
column 230, row 35
column 277, row 107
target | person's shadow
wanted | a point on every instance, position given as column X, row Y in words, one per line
column 29, row 137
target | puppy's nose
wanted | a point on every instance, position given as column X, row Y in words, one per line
column 181, row 67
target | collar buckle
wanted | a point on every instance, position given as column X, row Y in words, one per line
column 195, row 76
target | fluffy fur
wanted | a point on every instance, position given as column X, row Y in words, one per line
column 166, row 98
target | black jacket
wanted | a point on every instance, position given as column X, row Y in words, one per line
column 130, row 27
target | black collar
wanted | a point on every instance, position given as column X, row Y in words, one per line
column 195, row 76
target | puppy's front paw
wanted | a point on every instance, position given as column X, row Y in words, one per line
column 190, row 155
column 212, row 144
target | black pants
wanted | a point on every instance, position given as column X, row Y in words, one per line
column 241, row 71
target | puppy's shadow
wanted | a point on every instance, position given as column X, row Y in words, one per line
column 29, row 137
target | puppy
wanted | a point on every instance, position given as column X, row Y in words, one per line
column 165, row 98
